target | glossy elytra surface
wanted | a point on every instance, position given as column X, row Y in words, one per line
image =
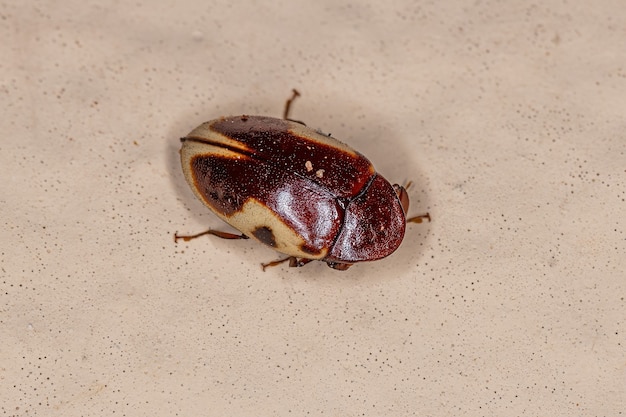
column 303, row 193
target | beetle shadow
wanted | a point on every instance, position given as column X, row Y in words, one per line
column 395, row 157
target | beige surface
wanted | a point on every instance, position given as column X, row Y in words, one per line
column 509, row 117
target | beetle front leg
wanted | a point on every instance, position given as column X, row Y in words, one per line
column 419, row 219
column 223, row 235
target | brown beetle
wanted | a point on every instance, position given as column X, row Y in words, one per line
column 303, row 193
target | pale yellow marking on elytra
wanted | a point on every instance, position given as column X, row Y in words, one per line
column 254, row 215
column 206, row 131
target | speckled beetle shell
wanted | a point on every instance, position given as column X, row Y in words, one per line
column 305, row 194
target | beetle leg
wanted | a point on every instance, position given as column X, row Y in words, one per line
column 419, row 219
column 223, row 235
column 300, row 262
column 338, row 266
column 274, row 263
column 295, row 93
column 293, row 262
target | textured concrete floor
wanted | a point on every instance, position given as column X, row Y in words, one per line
column 509, row 117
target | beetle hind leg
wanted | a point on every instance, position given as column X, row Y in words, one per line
column 223, row 235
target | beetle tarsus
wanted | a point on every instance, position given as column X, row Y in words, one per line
column 223, row 235
column 419, row 219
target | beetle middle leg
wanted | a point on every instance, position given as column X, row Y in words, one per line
column 293, row 262
column 223, row 235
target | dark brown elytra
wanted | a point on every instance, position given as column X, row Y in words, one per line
column 272, row 144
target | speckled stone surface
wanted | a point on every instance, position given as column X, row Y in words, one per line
column 509, row 118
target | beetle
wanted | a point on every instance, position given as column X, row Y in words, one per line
column 303, row 193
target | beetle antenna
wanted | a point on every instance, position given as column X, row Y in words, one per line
column 295, row 93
